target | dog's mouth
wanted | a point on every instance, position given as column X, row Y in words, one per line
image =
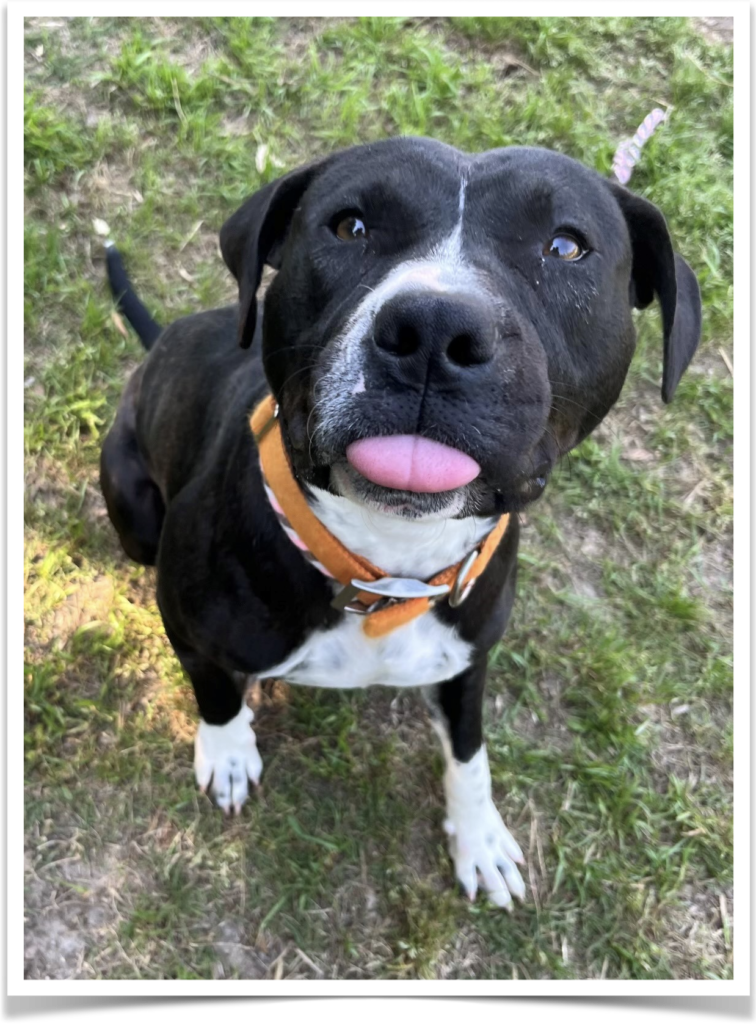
column 350, row 483
column 411, row 476
column 406, row 475
column 363, row 451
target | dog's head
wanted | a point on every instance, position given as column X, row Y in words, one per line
column 444, row 326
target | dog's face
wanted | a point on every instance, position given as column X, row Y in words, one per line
column 444, row 326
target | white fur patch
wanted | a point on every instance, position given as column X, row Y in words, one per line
column 453, row 244
column 419, row 653
column 226, row 758
column 419, row 548
column 479, row 842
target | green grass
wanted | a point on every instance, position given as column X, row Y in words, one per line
column 609, row 708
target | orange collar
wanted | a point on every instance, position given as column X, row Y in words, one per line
column 382, row 614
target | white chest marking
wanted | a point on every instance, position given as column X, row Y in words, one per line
column 422, row 652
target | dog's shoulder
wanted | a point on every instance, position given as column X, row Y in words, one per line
column 197, row 335
column 197, row 390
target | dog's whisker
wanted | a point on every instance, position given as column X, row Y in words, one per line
column 295, row 373
column 281, row 349
column 564, row 398
column 311, row 436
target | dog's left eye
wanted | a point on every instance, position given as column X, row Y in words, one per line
column 564, row 247
column 349, row 227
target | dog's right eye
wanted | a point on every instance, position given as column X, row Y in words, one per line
column 349, row 227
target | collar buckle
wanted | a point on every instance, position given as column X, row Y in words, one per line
column 388, row 590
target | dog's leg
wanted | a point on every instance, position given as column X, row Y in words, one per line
column 479, row 842
column 133, row 499
column 226, row 758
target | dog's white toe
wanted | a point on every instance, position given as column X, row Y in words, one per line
column 226, row 759
column 480, row 844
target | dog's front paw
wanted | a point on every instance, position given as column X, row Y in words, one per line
column 483, row 846
column 480, row 844
column 226, row 760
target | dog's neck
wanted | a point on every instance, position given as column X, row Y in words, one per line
column 401, row 547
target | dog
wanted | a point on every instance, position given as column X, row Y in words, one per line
column 442, row 328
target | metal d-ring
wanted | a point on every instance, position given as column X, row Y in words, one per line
column 461, row 591
column 268, row 424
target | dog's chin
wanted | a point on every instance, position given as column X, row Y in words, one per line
column 346, row 481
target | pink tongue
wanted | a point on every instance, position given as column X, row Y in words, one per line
column 407, row 462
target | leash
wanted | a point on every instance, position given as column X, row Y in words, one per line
column 386, row 602
column 629, row 150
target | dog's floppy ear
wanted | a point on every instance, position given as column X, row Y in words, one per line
column 254, row 236
column 658, row 269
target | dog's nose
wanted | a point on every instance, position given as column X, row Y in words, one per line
column 449, row 331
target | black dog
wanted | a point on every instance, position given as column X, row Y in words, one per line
column 428, row 306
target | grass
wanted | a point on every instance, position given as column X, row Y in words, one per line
column 609, row 708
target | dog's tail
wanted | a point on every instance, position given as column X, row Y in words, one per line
column 127, row 300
